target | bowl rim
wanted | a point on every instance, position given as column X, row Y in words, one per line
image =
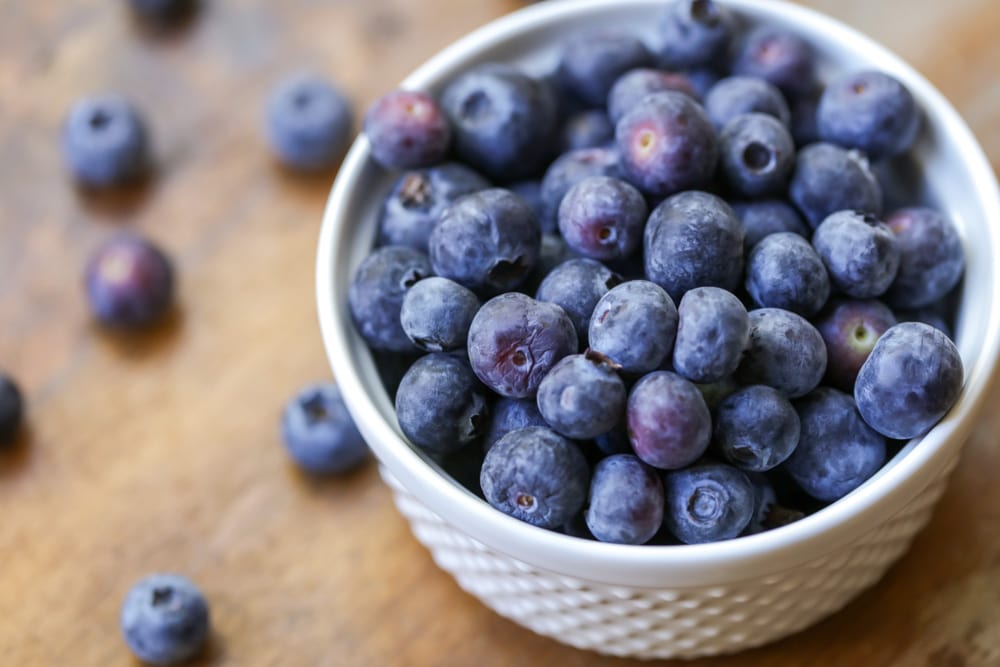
column 651, row 566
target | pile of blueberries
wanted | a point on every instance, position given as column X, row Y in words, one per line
column 684, row 316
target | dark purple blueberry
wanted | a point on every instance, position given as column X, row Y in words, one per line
column 668, row 422
column 693, row 33
column 708, row 502
column 436, row 314
column 531, row 193
column 909, row 381
column 515, row 340
column 850, row 329
column 931, row 257
column 860, row 253
column 105, row 142
column 11, row 409
column 603, row 218
column 761, row 218
column 785, row 352
column 837, row 450
column 536, row 475
column 376, row 295
column 779, row 57
column 712, row 331
column 576, row 286
column 165, row 619
column 667, row 144
column 626, row 501
column 568, row 170
column 803, row 123
column 308, row 122
column 738, row 95
column 756, row 155
column 828, row 179
column 636, row 84
column 702, row 79
column 407, row 130
column 756, row 428
column 503, row 122
column 784, row 271
column 715, row 392
column 582, row 397
column 319, row 433
column 593, row 61
column 488, row 240
column 511, row 414
column 870, row 111
column 634, row 325
column 693, row 239
column 130, row 282
column 586, row 129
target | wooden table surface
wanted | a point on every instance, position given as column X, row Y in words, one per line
column 160, row 451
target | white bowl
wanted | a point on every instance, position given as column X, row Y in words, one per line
column 671, row 601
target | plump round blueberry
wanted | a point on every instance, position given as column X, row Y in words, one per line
column 667, row 144
column 837, row 450
column 569, row 169
column 586, row 129
column 130, row 282
column 668, row 422
column 779, row 57
column 931, row 257
column 693, row 239
column 418, row 199
column 626, row 501
column 436, row 314
column 511, row 414
column 768, row 216
column 165, row 619
column 488, row 240
column 828, row 179
column 785, row 352
column 593, row 61
column 515, row 340
column 784, row 271
column 582, row 397
column 503, row 121
column 376, row 295
column 576, row 286
column 603, row 218
column 105, row 142
column 11, row 409
column 308, row 122
column 163, row 11
column 850, row 329
column 693, row 33
column 713, row 330
column 708, row 502
column 319, row 433
column 633, row 86
column 536, row 475
column 756, row 428
column 756, row 155
column 634, row 325
column 440, row 405
column 910, row 380
column 738, row 95
column 860, row 253
column 407, row 129
column 870, row 111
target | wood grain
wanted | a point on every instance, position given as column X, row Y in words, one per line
column 160, row 452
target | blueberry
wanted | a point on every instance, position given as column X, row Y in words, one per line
column 582, row 397
column 163, row 11
column 668, row 422
column 593, row 61
column 785, row 352
column 531, row 193
column 440, row 405
column 693, row 239
column 586, row 129
column 850, row 329
column 760, row 218
column 870, row 111
column 712, row 331
column 634, row 325
column 537, row 476
column 614, row 441
column 633, row 86
column 407, row 129
column 488, row 241
column 693, row 33
column 376, row 295
column 511, row 414
column 859, row 251
column 603, row 218
column 576, row 286
column 503, row 121
column 784, row 271
column 931, row 258
column 568, row 170
column 514, row 341
column 779, row 57
column 756, row 428
column 130, row 282
column 910, row 380
column 828, row 179
column 667, row 144
column 930, row 315
column 165, row 619
column 756, row 155
column 738, row 95
column 625, row 502
column 837, row 451
column 308, row 122
column 11, row 409
column 803, row 122
column 708, row 502
column 319, row 433
column 702, row 79
column 436, row 314
column 105, row 142
column 418, row 199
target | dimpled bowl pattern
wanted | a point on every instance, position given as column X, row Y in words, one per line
column 690, row 600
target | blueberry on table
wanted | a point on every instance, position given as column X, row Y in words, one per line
column 850, row 329
column 603, row 218
column 536, row 475
column 931, row 257
column 693, row 33
column 909, row 381
column 376, row 295
column 861, row 253
column 713, row 330
column 756, row 155
column 308, row 122
column 828, row 179
column 625, row 501
column 319, row 433
column 785, row 352
column 634, row 325
column 668, row 422
column 634, row 85
column 436, row 314
column 592, row 62
column 784, row 271
column 129, row 281
column 738, row 95
column 767, row 216
column 569, row 169
column 586, row 129
column 11, row 409
column 511, row 414
column 576, row 286
column 756, row 428
column 708, row 502
column 105, row 142
column 407, row 129
column 779, row 57
column 165, row 619
column 582, row 397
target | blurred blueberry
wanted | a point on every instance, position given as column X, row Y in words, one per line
column 778, row 56
column 105, row 142
column 376, row 295
column 319, row 433
column 756, row 155
column 591, row 62
column 165, row 619
column 693, row 33
column 309, row 122
column 634, row 85
column 129, row 281
column 586, row 129
column 11, row 408
column 407, row 129
column 768, row 216
column 569, row 169
column 931, row 257
column 828, row 179
column 738, row 95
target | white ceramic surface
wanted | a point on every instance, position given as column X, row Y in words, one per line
column 676, row 600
